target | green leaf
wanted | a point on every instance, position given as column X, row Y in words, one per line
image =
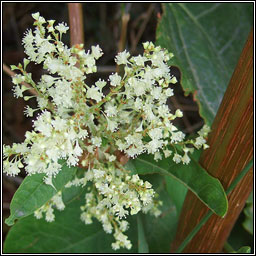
column 207, row 188
column 33, row 193
column 248, row 211
column 13, row 67
column 244, row 249
column 142, row 242
column 160, row 231
column 177, row 192
column 206, row 40
column 67, row 234
column 176, row 189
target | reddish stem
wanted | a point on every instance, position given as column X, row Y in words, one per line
column 76, row 23
column 231, row 148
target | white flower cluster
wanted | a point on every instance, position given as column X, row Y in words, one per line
column 114, row 195
column 56, row 201
column 79, row 123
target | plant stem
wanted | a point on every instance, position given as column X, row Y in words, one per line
column 76, row 23
column 231, row 148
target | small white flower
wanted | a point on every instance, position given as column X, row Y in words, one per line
column 43, row 124
column 96, row 141
column 18, row 91
column 36, row 15
column 49, row 216
column 38, row 214
column 138, row 104
column 94, row 94
column 115, row 79
column 100, row 84
column 156, row 133
column 173, row 80
column 156, row 92
column 62, row 27
column 97, row 173
column 59, row 124
column 177, row 137
column 178, row 113
column 29, row 111
column 28, row 39
column 169, row 92
column 11, row 168
column 112, row 158
column 177, row 158
column 139, row 60
column 110, row 110
column 204, row 131
column 157, row 156
column 199, row 142
column 185, row 159
column 112, row 125
column 96, row 52
column 122, row 57
column 87, row 218
column 107, row 228
column 167, row 153
column 77, row 150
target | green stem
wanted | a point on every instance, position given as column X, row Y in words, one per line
column 239, row 177
column 209, row 213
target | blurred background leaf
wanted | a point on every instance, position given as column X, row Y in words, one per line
column 206, row 40
column 248, row 211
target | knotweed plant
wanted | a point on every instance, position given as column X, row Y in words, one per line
column 97, row 126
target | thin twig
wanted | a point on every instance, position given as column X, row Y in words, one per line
column 106, row 69
column 145, row 16
column 6, row 206
column 188, row 108
column 17, row 180
column 194, row 127
column 122, row 41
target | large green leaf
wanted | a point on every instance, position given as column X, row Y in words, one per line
column 206, row 39
column 33, row 193
column 207, row 188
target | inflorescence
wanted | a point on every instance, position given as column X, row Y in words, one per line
column 90, row 128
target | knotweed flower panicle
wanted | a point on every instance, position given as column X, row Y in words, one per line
column 84, row 126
